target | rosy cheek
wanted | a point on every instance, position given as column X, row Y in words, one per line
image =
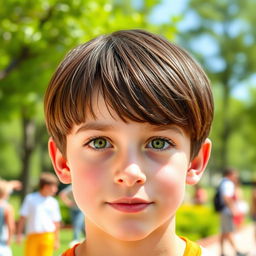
column 171, row 185
column 87, row 182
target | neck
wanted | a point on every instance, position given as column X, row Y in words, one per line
column 161, row 242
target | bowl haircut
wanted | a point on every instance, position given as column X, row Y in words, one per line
column 141, row 76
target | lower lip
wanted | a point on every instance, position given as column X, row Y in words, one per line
column 129, row 208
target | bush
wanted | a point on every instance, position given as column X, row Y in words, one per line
column 196, row 221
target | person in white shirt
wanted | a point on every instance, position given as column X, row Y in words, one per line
column 41, row 214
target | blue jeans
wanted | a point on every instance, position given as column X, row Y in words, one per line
column 77, row 218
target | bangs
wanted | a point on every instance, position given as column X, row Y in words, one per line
column 132, row 82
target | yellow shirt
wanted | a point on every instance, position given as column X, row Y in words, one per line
column 192, row 248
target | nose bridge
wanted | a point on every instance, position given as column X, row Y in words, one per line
column 130, row 169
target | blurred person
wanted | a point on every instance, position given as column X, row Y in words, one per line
column 253, row 208
column 77, row 217
column 241, row 206
column 200, row 195
column 229, row 211
column 41, row 214
column 13, row 185
column 7, row 223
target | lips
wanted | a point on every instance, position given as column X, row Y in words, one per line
column 130, row 205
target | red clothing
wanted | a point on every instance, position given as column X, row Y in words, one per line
column 70, row 251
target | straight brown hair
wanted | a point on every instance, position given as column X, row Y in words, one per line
column 142, row 77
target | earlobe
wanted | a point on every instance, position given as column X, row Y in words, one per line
column 199, row 163
column 59, row 162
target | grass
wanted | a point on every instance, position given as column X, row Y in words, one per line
column 65, row 239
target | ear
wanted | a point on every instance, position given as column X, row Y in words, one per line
column 199, row 163
column 59, row 162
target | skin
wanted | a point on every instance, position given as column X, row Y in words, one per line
column 8, row 217
column 107, row 160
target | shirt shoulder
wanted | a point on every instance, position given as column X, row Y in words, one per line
column 192, row 248
column 227, row 188
column 70, row 251
column 31, row 195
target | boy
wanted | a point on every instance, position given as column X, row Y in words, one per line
column 7, row 223
column 129, row 114
column 40, row 211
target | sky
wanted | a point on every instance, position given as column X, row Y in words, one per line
column 168, row 8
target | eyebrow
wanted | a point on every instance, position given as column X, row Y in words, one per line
column 173, row 127
column 94, row 126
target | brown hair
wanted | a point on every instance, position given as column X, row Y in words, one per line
column 47, row 178
column 141, row 76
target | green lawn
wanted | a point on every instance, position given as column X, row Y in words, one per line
column 65, row 238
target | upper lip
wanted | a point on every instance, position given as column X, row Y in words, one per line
column 130, row 200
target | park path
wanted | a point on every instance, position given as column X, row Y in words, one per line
column 244, row 238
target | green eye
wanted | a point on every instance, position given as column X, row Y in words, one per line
column 99, row 143
column 158, row 143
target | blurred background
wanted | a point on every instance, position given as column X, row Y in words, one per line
column 36, row 35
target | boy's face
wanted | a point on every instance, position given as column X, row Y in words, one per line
column 50, row 189
column 128, row 178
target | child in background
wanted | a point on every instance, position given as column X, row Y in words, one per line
column 129, row 114
column 40, row 212
column 7, row 223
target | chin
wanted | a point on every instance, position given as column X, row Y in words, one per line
column 128, row 235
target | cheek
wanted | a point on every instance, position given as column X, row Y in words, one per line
column 87, row 182
column 171, row 186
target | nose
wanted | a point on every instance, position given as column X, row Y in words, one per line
column 130, row 176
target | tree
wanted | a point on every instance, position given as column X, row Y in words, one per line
column 229, row 53
column 34, row 36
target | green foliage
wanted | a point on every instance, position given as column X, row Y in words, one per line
column 193, row 223
column 230, row 60
column 34, row 37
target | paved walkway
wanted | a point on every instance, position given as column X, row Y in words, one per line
column 243, row 238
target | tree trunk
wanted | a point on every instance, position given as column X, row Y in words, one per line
column 27, row 146
column 225, row 133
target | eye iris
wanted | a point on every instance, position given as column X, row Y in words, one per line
column 100, row 143
column 158, row 144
